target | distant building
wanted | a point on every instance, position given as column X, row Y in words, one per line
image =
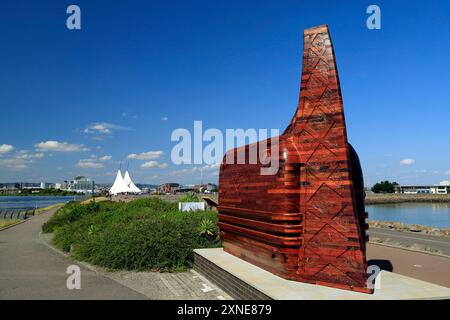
column 81, row 184
column 211, row 188
column 185, row 189
column 18, row 186
column 10, row 186
column 45, row 185
column 207, row 188
column 30, row 185
column 168, row 187
column 423, row 189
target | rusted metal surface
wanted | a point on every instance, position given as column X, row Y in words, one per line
column 306, row 222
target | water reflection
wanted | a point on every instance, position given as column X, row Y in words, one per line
column 427, row 214
column 23, row 202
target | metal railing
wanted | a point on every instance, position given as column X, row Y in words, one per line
column 20, row 214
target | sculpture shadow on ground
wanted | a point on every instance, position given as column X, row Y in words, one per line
column 382, row 264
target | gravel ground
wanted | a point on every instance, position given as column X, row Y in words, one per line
column 403, row 227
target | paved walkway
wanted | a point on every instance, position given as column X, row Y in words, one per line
column 416, row 265
column 30, row 269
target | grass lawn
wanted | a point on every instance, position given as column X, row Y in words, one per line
column 97, row 199
column 7, row 222
column 53, row 206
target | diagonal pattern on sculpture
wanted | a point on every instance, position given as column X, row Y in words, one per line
column 306, row 222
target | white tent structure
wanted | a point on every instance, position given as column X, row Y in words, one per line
column 119, row 185
column 130, row 184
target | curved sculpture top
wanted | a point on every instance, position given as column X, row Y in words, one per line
column 307, row 221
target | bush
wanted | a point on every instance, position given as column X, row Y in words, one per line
column 207, row 228
column 69, row 213
column 189, row 197
column 144, row 234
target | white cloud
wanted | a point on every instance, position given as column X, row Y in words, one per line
column 89, row 164
column 26, row 155
column 214, row 166
column 164, row 118
column 212, row 169
column 153, row 164
column 407, row 162
column 105, row 158
column 20, row 159
column 150, row 155
column 127, row 114
column 192, row 174
column 103, row 128
column 56, row 146
column 150, row 164
column 13, row 163
column 5, row 148
column 183, row 171
column 444, row 183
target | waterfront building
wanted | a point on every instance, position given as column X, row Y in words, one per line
column 129, row 183
column 29, row 185
column 208, row 188
column 184, row 189
column 423, row 189
column 81, row 184
column 19, row 185
column 168, row 187
column 45, row 185
column 123, row 185
column 119, row 185
column 10, row 186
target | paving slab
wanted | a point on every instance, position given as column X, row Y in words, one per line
column 392, row 286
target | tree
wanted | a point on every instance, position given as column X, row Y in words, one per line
column 384, row 187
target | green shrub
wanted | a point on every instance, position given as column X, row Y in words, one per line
column 69, row 213
column 189, row 197
column 207, row 229
column 144, row 234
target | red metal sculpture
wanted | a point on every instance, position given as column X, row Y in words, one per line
column 306, row 222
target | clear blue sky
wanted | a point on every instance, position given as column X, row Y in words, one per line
column 139, row 69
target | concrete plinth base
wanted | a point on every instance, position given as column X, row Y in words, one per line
column 243, row 280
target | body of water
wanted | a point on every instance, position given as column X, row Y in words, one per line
column 426, row 214
column 18, row 202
